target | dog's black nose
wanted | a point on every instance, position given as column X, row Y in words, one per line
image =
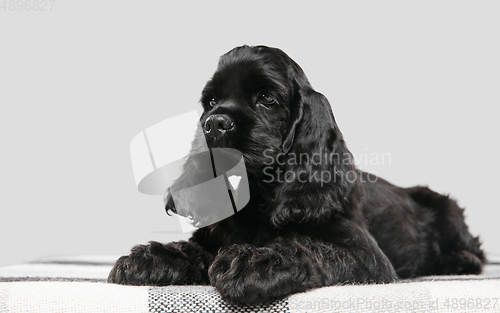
column 217, row 125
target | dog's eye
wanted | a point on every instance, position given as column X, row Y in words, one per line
column 266, row 100
column 212, row 102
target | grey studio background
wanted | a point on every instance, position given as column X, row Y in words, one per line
column 418, row 81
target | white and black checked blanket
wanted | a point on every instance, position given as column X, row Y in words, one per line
column 78, row 284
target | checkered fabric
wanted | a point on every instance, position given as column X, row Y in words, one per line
column 78, row 284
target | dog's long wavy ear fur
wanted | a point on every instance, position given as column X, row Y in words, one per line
column 318, row 174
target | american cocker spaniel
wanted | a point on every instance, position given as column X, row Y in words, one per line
column 313, row 219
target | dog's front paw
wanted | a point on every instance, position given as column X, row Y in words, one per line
column 245, row 274
column 156, row 264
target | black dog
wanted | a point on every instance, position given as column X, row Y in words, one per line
column 313, row 219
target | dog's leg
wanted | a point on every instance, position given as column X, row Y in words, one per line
column 156, row 264
column 246, row 274
column 457, row 251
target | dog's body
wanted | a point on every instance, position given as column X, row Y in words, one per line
column 303, row 229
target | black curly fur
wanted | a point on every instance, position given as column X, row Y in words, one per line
column 309, row 231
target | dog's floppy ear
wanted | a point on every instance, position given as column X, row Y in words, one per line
column 317, row 171
column 296, row 113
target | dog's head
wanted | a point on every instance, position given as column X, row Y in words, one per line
column 260, row 102
column 248, row 103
